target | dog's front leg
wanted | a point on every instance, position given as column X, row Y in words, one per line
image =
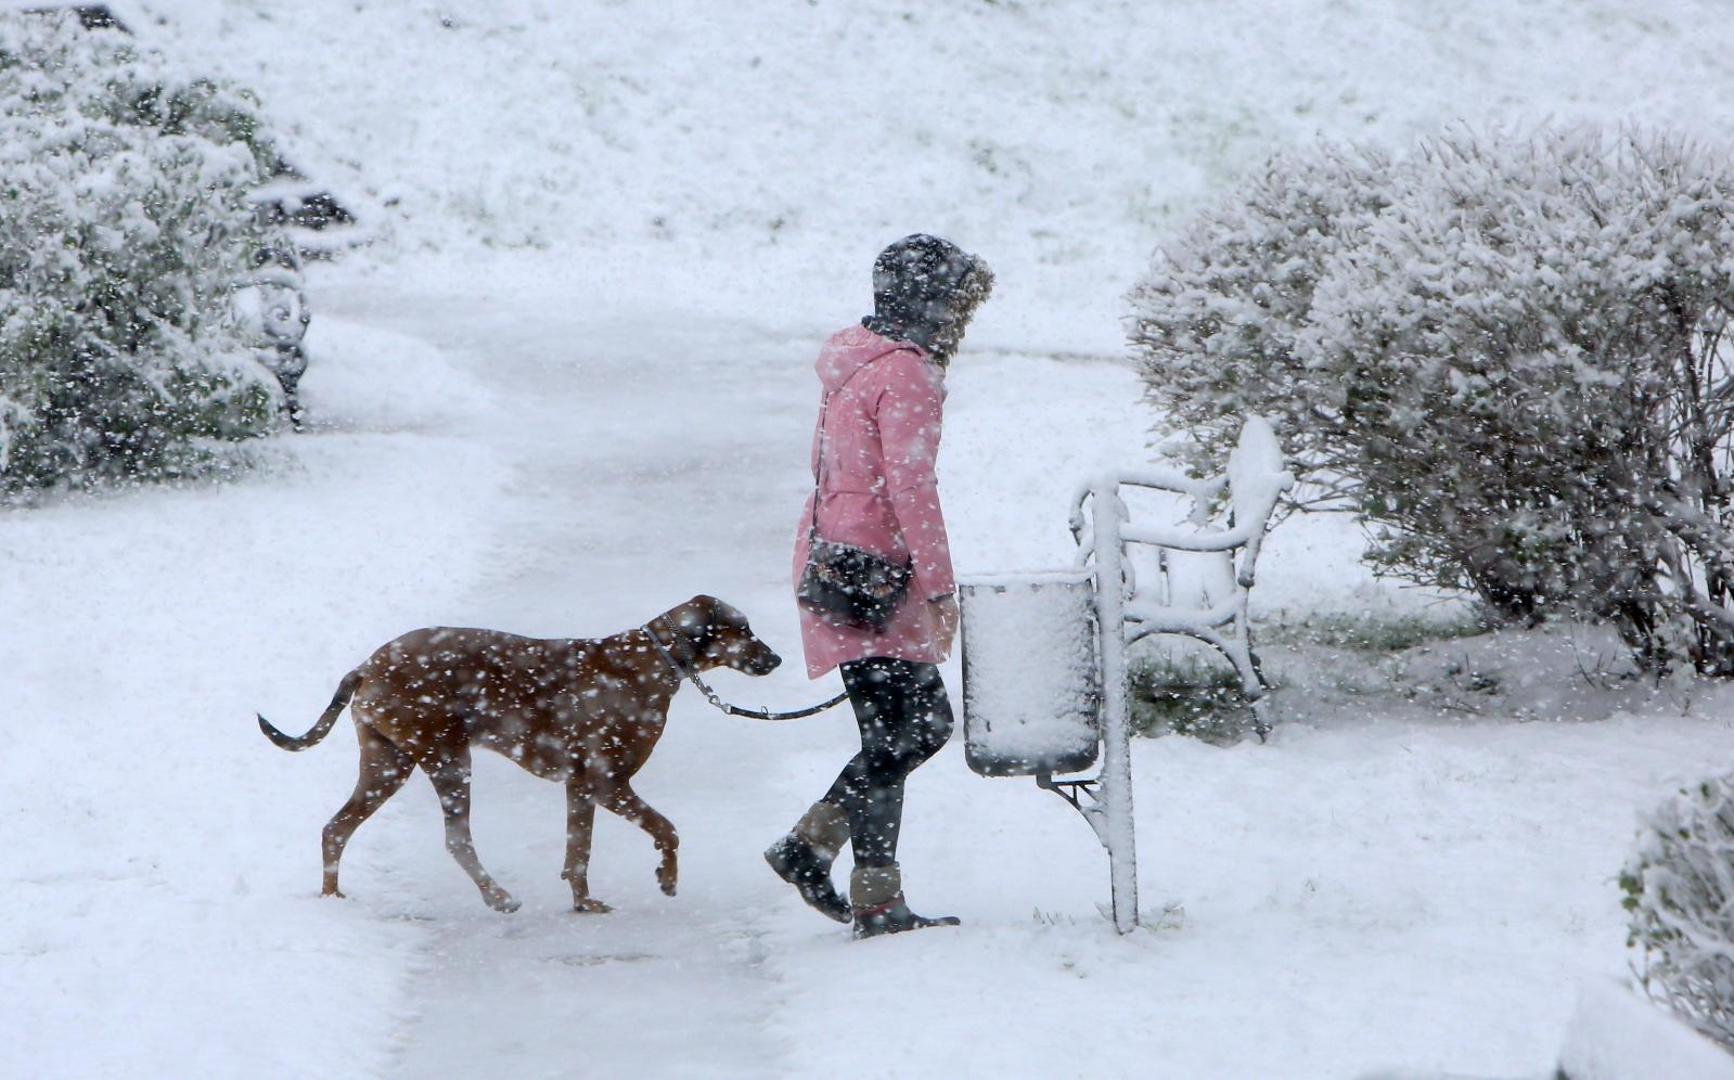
column 580, row 821
column 622, row 800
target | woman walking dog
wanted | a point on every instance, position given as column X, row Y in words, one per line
column 873, row 571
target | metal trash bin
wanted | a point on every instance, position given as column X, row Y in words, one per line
column 1032, row 681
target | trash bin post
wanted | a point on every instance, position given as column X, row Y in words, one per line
column 1108, row 514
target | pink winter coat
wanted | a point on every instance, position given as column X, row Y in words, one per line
column 878, row 490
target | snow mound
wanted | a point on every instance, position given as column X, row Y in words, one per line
column 1616, row 1036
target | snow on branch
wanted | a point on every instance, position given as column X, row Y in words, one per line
column 126, row 217
column 1679, row 890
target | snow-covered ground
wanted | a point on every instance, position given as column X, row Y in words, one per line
column 753, row 156
column 567, row 437
column 1361, row 892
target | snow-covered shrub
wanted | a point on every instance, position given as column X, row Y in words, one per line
column 1504, row 353
column 1679, row 886
column 125, row 217
column 1219, row 316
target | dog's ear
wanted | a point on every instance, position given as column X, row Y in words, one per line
column 696, row 613
column 704, row 616
column 719, row 614
column 696, row 619
column 728, row 615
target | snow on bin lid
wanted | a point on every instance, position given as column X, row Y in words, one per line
column 1031, row 684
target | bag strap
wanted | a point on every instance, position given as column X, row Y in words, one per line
column 819, row 472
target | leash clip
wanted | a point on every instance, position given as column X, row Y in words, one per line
column 716, row 699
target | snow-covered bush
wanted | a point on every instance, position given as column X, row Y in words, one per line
column 1679, row 886
column 1504, row 353
column 1219, row 317
column 125, row 217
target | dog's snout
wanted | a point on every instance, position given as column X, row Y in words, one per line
column 767, row 660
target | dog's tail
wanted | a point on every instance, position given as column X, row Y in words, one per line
column 345, row 690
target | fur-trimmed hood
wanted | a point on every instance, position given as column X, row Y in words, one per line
column 925, row 290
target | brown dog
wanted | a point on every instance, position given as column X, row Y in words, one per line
column 584, row 712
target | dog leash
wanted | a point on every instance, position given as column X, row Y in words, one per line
column 716, row 699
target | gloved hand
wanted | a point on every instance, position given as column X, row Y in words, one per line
column 945, row 618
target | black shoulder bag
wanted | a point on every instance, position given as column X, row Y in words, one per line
column 841, row 583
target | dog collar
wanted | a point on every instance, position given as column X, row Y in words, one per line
column 662, row 650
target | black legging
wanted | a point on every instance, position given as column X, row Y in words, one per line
column 904, row 717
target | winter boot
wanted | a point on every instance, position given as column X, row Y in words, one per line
column 876, row 899
column 803, row 858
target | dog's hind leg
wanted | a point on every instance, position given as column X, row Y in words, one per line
column 580, row 822
column 619, row 798
column 451, row 781
column 383, row 770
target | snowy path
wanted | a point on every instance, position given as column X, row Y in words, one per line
column 630, row 475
